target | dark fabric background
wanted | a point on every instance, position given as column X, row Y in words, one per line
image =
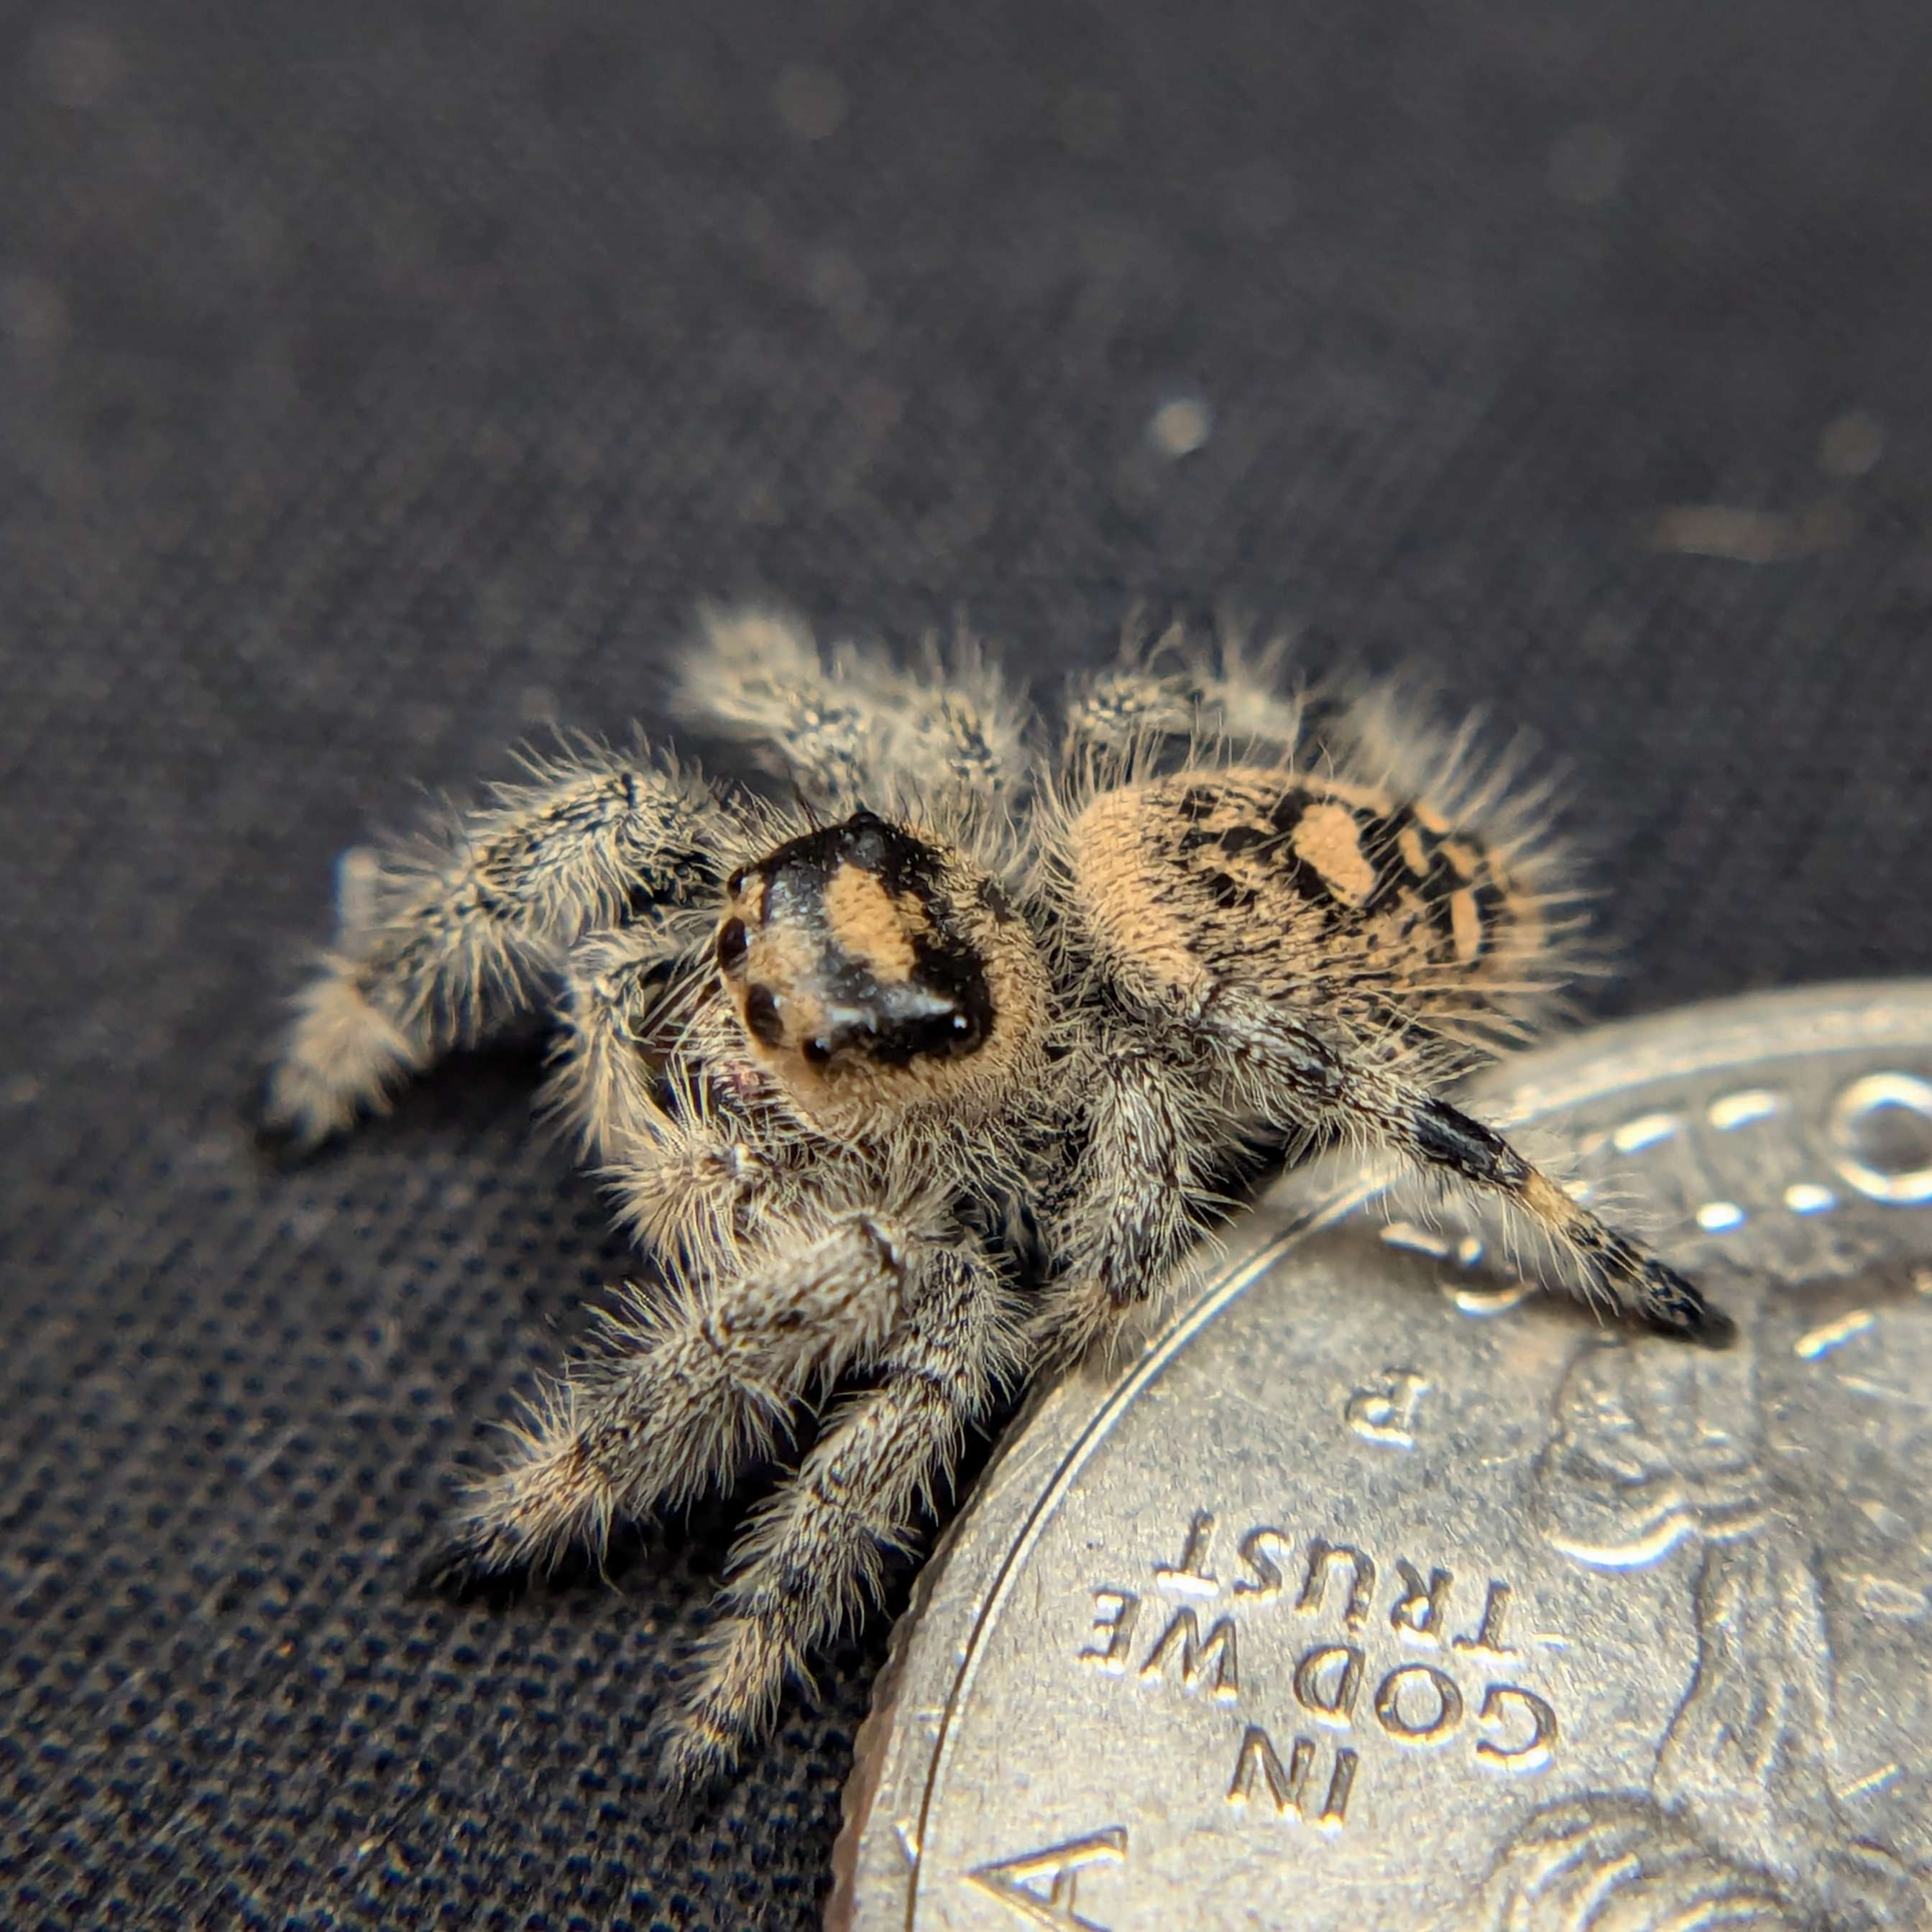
column 379, row 379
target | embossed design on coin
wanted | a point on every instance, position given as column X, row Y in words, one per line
column 1455, row 1613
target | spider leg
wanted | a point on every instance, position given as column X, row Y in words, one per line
column 1178, row 690
column 951, row 728
column 619, row 1014
column 694, row 1175
column 855, row 726
column 1111, row 714
column 439, row 940
column 687, row 1384
column 817, row 1551
column 1293, row 1073
column 1144, row 1194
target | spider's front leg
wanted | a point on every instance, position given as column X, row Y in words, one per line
column 818, row 1549
column 442, row 939
column 1300, row 1076
column 685, row 1384
column 694, row 1173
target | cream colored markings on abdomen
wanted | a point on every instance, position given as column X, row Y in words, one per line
column 1110, row 850
column 1465, row 926
column 1327, row 839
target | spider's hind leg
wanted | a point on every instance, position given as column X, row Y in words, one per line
column 1303, row 1077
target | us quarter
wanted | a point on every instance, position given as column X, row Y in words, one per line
column 1380, row 1591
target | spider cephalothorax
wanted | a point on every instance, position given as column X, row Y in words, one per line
column 876, row 973
column 934, row 1082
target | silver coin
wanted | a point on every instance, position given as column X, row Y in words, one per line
column 1380, row 1592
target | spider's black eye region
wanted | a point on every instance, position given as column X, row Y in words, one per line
column 940, row 1034
column 861, row 935
column 761, row 1015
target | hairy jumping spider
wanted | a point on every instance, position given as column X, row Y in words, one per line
column 922, row 1085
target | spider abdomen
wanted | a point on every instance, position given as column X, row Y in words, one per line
column 1304, row 887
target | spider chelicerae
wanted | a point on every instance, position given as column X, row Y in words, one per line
column 922, row 1084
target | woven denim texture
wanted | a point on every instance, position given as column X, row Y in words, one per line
column 379, row 381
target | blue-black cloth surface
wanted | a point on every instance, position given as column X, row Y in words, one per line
column 379, row 379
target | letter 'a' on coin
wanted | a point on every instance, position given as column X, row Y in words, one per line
column 1383, row 1591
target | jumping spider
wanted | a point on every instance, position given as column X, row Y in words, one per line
column 933, row 1077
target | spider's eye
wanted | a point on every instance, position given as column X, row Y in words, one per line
column 761, row 1015
column 946, row 1033
column 734, row 943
